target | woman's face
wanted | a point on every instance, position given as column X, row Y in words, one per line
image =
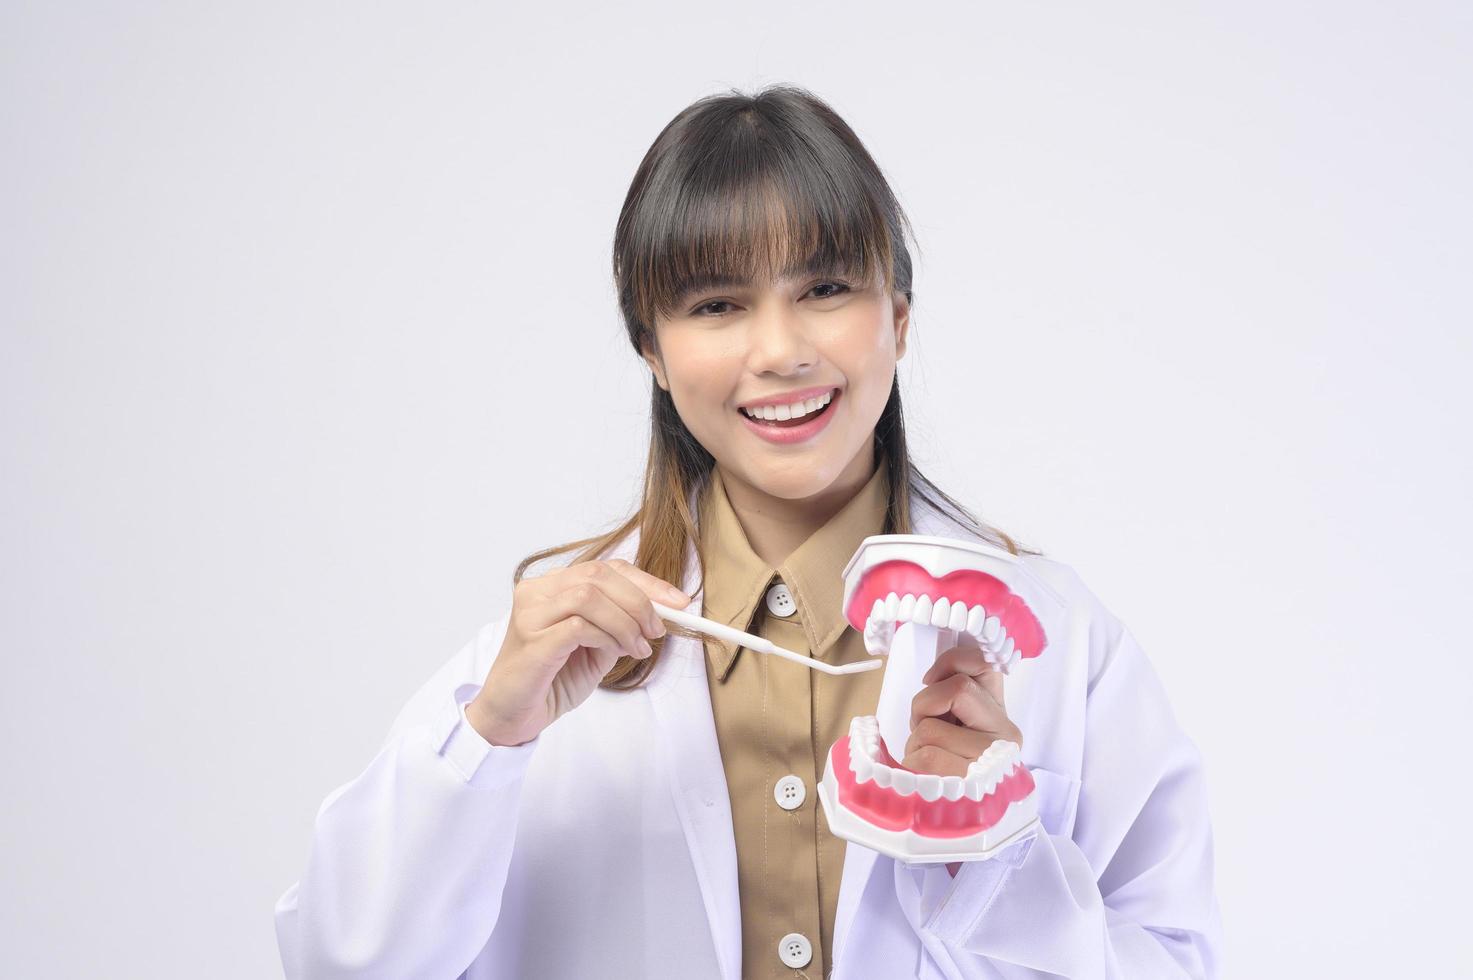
column 729, row 347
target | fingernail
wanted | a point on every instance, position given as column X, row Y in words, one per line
column 645, row 645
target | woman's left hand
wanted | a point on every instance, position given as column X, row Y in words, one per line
column 957, row 715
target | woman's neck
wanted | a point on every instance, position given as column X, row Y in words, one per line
column 776, row 526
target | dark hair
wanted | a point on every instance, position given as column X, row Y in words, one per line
column 748, row 186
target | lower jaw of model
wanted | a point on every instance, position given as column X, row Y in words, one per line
column 871, row 799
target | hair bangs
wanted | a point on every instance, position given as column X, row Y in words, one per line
column 779, row 220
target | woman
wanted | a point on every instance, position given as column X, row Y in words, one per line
column 579, row 793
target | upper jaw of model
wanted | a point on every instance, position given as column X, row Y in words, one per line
column 891, row 582
column 988, row 632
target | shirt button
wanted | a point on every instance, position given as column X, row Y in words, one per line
column 780, row 601
column 790, row 792
column 794, row 950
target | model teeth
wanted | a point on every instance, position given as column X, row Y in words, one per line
column 988, row 632
column 782, row 413
column 983, row 774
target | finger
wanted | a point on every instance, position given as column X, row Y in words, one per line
column 554, row 646
column 575, row 632
column 653, row 586
column 964, row 697
column 969, row 661
column 992, row 681
column 956, row 739
column 957, row 660
column 623, row 590
column 632, row 588
column 589, row 600
column 936, row 760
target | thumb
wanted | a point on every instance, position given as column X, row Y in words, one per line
column 992, row 682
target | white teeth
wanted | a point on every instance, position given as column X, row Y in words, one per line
column 940, row 613
column 879, row 633
column 983, row 773
column 994, row 765
column 999, row 652
column 879, row 636
column 782, row 413
column 1001, row 748
column 928, row 784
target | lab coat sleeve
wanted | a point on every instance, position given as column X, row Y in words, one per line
column 1130, row 893
column 408, row 861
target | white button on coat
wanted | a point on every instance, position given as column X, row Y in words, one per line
column 794, row 950
column 780, row 601
column 790, row 792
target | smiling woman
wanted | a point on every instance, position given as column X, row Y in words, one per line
column 582, row 792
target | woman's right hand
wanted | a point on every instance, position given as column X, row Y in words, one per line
column 567, row 629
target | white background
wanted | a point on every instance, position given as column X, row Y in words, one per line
column 309, row 335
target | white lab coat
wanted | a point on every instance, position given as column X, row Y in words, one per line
column 604, row 847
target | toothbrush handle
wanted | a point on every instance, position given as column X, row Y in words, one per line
column 752, row 642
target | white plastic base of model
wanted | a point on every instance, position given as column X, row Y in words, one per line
column 1019, row 821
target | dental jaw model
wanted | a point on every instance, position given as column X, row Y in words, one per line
column 915, row 597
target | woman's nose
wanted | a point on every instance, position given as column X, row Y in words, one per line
column 777, row 340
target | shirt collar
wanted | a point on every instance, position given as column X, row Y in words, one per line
column 736, row 579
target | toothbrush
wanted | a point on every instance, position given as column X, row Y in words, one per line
column 723, row 632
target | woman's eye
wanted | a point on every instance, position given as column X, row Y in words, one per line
column 839, row 287
column 836, row 287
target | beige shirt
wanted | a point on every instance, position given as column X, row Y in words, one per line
column 775, row 720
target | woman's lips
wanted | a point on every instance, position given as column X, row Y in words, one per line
column 795, row 433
